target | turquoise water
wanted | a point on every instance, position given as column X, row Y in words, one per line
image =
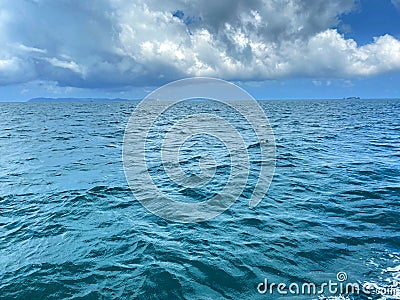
column 70, row 227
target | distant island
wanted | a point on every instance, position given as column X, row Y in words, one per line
column 77, row 100
column 352, row 98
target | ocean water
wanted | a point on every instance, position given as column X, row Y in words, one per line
column 70, row 227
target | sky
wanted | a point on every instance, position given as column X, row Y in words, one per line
column 275, row 49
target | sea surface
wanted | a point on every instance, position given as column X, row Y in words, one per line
column 70, row 227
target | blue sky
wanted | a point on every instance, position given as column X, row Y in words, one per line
column 275, row 49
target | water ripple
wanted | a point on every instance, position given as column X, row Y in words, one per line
column 70, row 228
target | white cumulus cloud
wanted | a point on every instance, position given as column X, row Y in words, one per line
column 117, row 43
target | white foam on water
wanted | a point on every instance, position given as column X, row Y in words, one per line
column 388, row 284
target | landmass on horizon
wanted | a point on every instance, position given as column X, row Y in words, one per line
column 44, row 99
column 73, row 99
